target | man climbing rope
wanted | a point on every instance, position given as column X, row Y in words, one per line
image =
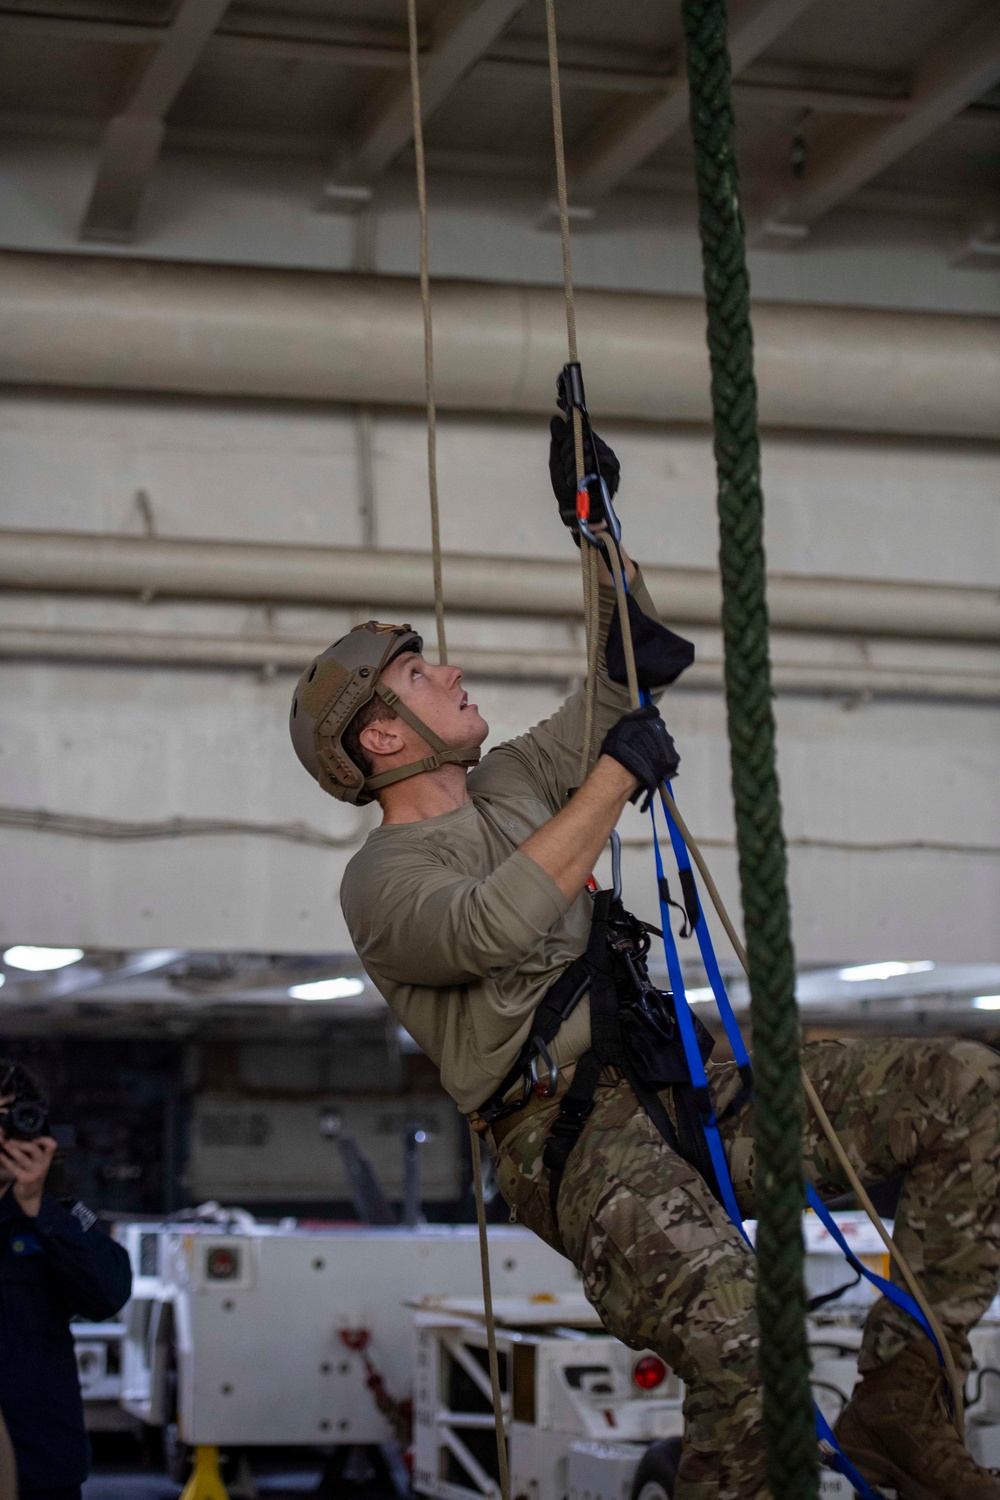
column 469, row 907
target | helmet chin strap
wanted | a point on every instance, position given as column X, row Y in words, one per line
column 443, row 756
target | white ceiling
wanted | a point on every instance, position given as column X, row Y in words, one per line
column 890, row 109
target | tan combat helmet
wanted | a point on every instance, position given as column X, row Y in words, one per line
column 330, row 692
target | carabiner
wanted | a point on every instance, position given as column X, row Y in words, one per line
column 616, row 865
column 583, row 511
column 535, row 1085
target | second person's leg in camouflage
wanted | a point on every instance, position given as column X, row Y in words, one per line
column 929, row 1111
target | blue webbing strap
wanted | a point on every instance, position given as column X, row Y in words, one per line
column 701, row 930
column 837, row 1458
column 689, row 1040
column 704, row 936
column 888, row 1288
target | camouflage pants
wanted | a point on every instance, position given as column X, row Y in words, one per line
column 666, row 1270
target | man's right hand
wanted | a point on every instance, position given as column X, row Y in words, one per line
column 642, row 744
column 637, row 750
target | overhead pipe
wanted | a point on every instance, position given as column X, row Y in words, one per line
column 98, row 563
column 116, row 323
column 959, row 676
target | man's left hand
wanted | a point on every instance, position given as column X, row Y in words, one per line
column 28, row 1164
column 562, row 469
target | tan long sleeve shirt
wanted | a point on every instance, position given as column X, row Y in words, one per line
column 462, row 932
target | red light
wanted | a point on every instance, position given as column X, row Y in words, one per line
column 222, row 1264
column 649, row 1372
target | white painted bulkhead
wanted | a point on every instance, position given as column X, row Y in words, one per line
column 142, row 743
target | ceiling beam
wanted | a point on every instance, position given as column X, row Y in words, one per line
column 676, row 183
column 823, row 92
column 15, row 24
column 843, row 159
column 463, row 33
column 133, row 138
column 634, row 129
column 277, row 40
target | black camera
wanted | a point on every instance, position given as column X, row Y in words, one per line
column 24, row 1120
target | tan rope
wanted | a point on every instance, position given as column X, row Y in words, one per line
column 561, row 193
column 591, row 618
column 588, row 559
column 491, row 1327
column 618, row 578
column 588, row 632
column 425, row 298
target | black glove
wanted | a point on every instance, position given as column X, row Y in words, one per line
column 562, row 470
column 640, row 742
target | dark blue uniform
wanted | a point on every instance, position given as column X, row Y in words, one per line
column 51, row 1267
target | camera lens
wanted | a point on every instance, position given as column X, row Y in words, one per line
column 27, row 1120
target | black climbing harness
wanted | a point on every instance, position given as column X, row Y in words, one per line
column 633, row 1030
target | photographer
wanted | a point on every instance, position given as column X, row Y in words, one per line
column 55, row 1262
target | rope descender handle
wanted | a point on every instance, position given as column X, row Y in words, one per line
column 591, row 487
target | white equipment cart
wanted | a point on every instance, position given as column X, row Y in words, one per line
column 581, row 1410
column 258, row 1335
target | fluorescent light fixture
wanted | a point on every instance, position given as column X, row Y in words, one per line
column 328, row 989
column 3, row 980
column 39, row 960
column 889, row 970
column 987, row 1002
column 707, row 993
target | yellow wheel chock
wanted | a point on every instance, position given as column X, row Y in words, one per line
column 206, row 1481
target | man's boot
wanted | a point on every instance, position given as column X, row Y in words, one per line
column 897, row 1431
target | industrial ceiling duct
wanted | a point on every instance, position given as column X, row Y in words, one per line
column 125, row 324
column 177, row 567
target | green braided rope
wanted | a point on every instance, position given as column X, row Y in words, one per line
column 792, row 1459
